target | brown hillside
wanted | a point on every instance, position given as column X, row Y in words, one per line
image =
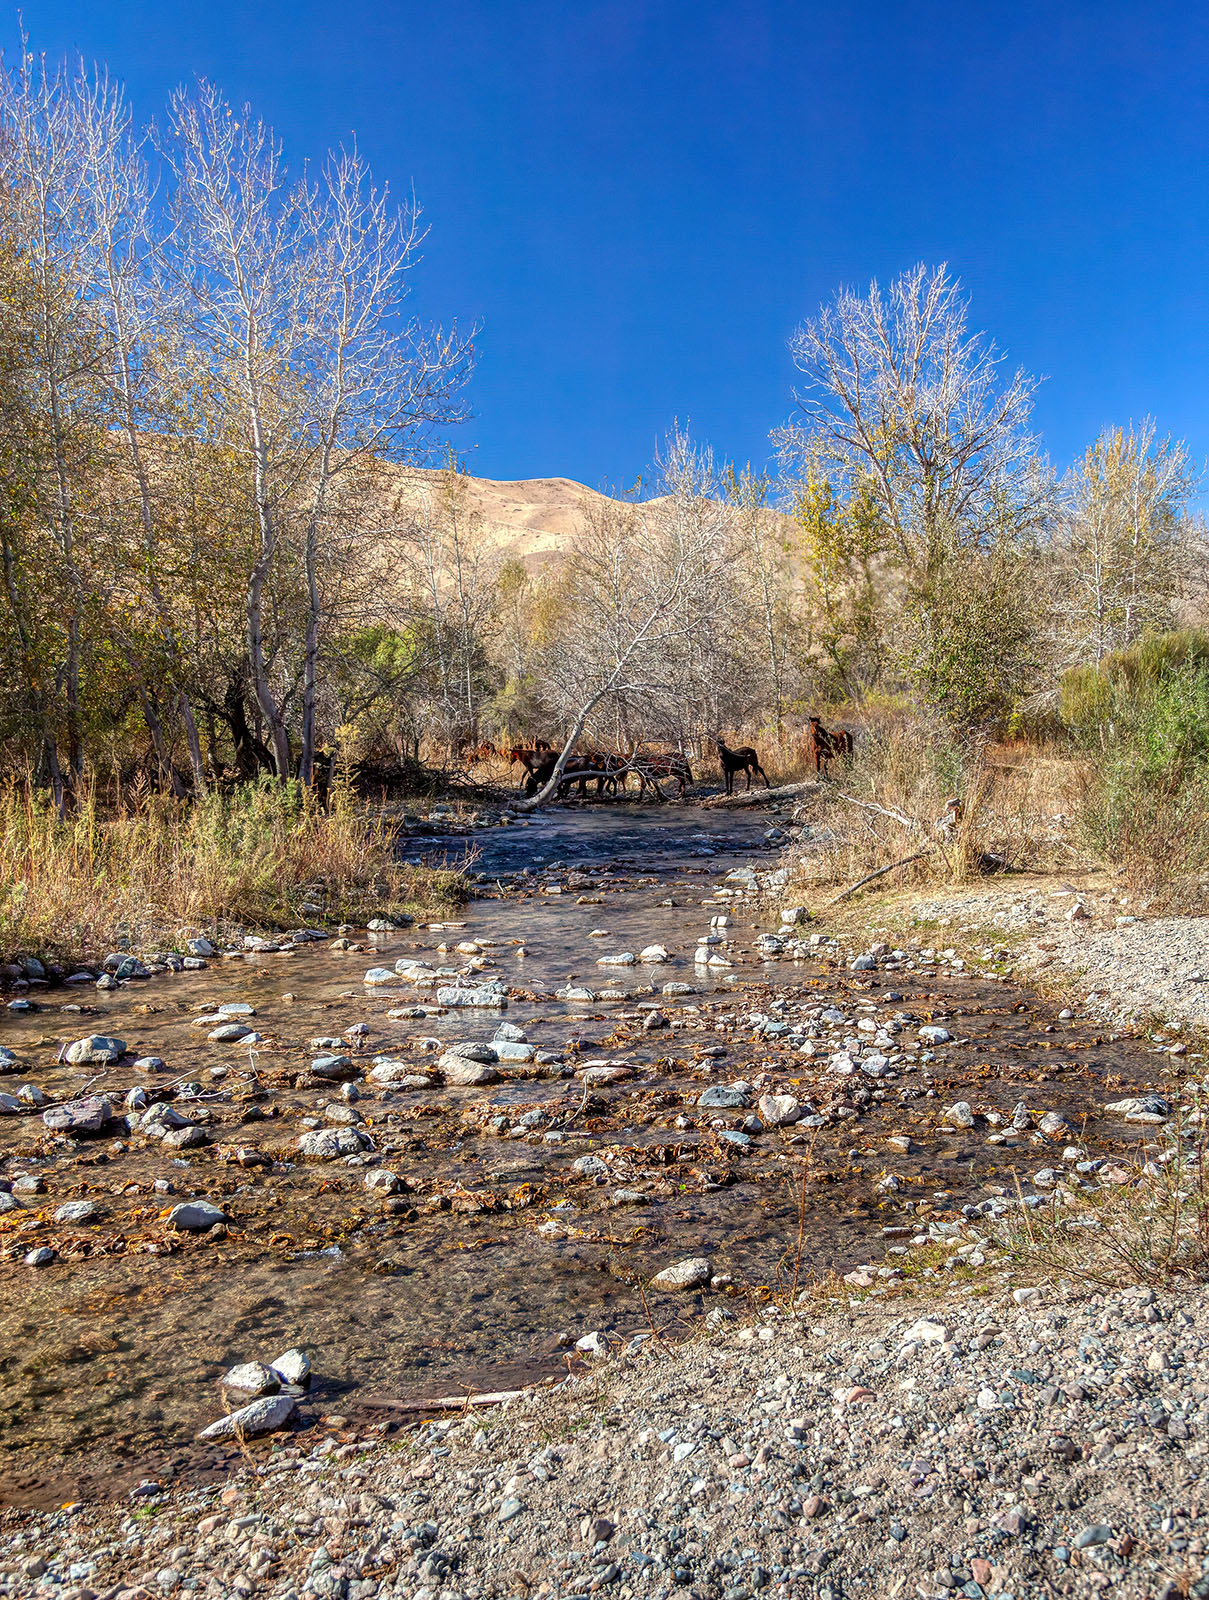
column 531, row 519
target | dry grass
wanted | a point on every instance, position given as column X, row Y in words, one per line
column 1151, row 1227
column 253, row 858
column 888, row 803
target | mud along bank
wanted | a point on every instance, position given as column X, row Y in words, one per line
column 443, row 1158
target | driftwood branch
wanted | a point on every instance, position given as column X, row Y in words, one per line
column 759, row 797
column 456, row 1402
column 880, row 873
column 895, row 815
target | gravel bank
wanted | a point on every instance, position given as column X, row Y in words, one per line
column 1125, row 967
column 957, row 1446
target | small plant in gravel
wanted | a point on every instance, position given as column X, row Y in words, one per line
column 1151, row 1227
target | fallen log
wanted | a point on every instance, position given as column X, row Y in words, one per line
column 759, row 797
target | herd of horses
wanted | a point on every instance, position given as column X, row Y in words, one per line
column 611, row 772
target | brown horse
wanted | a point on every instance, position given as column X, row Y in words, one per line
column 744, row 759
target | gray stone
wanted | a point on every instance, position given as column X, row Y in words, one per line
column 458, row 1071
column 693, row 1273
column 196, row 1216
column 590, row 1167
column 79, row 1116
column 334, row 1068
column 40, row 1257
column 96, row 1049
column 485, row 997
column 719, row 1098
column 329, row 1144
column 266, row 1415
column 960, row 1115
column 78, row 1211
column 229, row 1032
column 379, row 977
column 1096, row 1533
column 934, row 1035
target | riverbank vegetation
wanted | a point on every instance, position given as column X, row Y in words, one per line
column 143, row 874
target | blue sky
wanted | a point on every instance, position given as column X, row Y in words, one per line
column 638, row 201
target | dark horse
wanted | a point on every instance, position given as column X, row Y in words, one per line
column 744, row 759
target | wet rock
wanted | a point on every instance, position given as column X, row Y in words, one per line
column 78, row 1211
column 195, row 1216
column 379, row 977
column 506, row 1050
column 654, row 1020
column 458, row 1071
column 329, row 1144
column 79, row 1116
column 267, row 1415
column 624, row 958
column 509, row 1032
column 959, row 1115
column 10, row 1106
column 8, row 1060
column 399, row 1075
column 779, row 1110
column 96, row 1049
column 1054, row 1125
column 1149, row 1105
column 590, row 1167
column 598, row 1076
column 42, row 1256
column 718, row 1097
column 251, row 1378
column 161, row 1119
column 334, row 1068
column 293, row 1367
column 229, row 1032
column 931, row 1034
column 382, row 1181
column 199, row 947
column 485, row 997
column 653, row 953
column 692, row 1273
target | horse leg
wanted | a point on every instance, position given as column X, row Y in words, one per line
column 747, row 775
column 764, row 775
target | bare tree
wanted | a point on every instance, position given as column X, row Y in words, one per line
column 1123, row 541
column 646, row 585
column 904, row 400
column 380, row 383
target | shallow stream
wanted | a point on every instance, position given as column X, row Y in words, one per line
column 497, row 1254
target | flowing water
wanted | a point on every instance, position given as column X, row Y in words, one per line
column 498, row 1254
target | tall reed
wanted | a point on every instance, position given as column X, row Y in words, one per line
column 155, row 867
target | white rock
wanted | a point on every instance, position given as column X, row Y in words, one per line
column 692, row 1273
column 292, row 1366
column 261, row 1416
column 252, row 1378
column 779, row 1110
column 926, row 1331
column 328, row 1144
column 195, row 1216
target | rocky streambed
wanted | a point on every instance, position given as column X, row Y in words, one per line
column 620, row 1092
